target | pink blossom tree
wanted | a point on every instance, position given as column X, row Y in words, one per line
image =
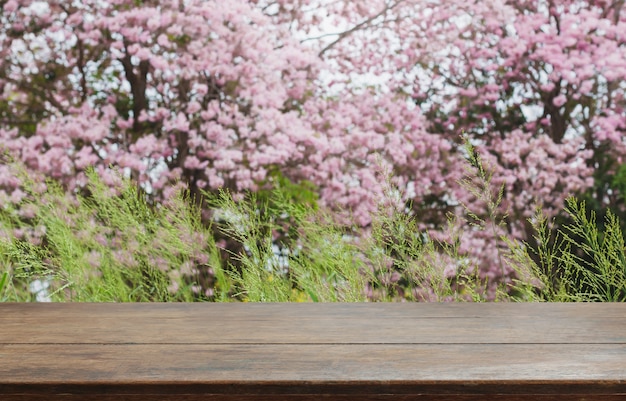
column 226, row 94
column 206, row 92
column 536, row 86
column 217, row 95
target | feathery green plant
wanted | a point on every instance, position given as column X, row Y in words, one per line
column 111, row 245
column 577, row 262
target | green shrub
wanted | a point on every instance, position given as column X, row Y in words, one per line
column 111, row 245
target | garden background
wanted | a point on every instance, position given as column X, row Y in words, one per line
column 312, row 150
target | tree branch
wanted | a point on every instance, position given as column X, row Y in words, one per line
column 355, row 28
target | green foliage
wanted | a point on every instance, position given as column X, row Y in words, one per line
column 111, row 245
column 578, row 262
column 619, row 179
column 4, row 278
column 315, row 263
column 301, row 193
column 595, row 267
column 420, row 264
column 478, row 182
column 107, row 246
column 609, row 189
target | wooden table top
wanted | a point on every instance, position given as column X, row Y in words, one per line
column 313, row 351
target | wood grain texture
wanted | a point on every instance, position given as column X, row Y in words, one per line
column 312, row 351
column 317, row 397
column 313, row 323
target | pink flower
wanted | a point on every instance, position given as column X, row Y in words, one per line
column 559, row 100
column 143, row 54
column 193, row 107
column 10, row 6
column 17, row 195
column 193, row 163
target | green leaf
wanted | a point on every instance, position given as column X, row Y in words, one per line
column 3, row 280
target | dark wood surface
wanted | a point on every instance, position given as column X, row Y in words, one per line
column 303, row 352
